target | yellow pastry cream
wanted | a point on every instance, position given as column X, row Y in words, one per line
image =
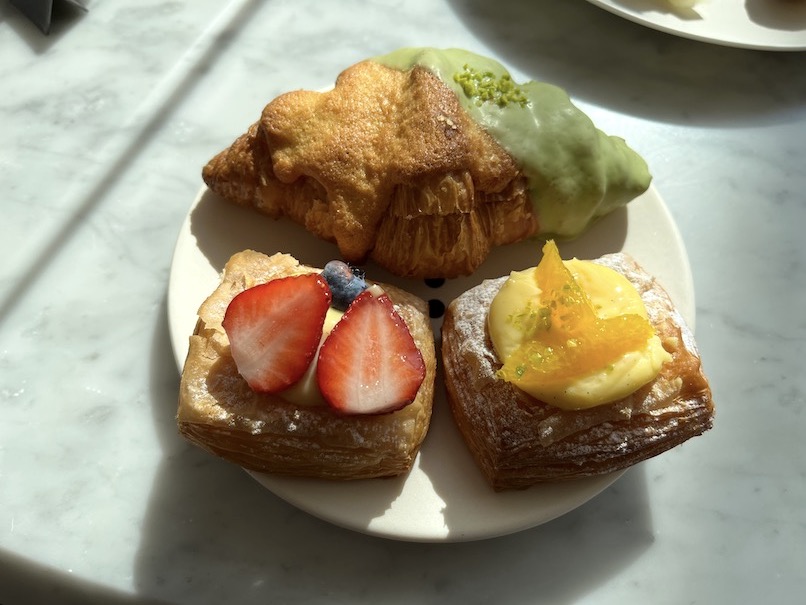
column 573, row 333
column 575, row 172
column 306, row 391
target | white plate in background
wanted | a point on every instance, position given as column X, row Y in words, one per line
column 756, row 24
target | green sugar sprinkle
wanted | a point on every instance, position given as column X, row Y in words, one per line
column 484, row 87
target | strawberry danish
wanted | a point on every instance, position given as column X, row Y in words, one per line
column 300, row 371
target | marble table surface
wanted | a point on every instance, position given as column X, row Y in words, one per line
column 106, row 123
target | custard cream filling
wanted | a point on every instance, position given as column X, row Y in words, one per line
column 611, row 295
column 305, row 392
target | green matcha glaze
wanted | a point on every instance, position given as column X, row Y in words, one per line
column 576, row 173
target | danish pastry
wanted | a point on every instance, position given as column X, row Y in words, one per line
column 519, row 439
column 249, row 414
column 422, row 160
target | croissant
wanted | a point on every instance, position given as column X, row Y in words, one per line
column 420, row 172
column 264, row 432
column 519, row 441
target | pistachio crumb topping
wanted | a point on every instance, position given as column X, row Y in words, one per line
column 484, row 87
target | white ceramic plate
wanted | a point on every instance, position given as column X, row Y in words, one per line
column 444, row 498
column 759, row 24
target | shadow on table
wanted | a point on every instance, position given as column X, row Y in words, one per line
column 26, row 582
column 634, row 69
column 211, row 534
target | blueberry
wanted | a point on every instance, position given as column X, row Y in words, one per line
column 345, row 283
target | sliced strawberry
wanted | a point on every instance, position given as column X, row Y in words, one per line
column 369, row 363
column 274, row 330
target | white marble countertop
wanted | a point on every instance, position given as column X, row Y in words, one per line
column 105, row 126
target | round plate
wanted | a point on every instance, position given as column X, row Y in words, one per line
column 758, row 24
column 444, row 497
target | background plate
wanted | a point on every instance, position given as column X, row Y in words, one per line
column 445, row 497
column 759, row 24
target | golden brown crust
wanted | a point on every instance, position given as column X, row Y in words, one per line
column 518, row 441
column 262, row 432
column 388, row 166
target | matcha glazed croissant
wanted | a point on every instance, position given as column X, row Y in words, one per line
column 423, row 160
